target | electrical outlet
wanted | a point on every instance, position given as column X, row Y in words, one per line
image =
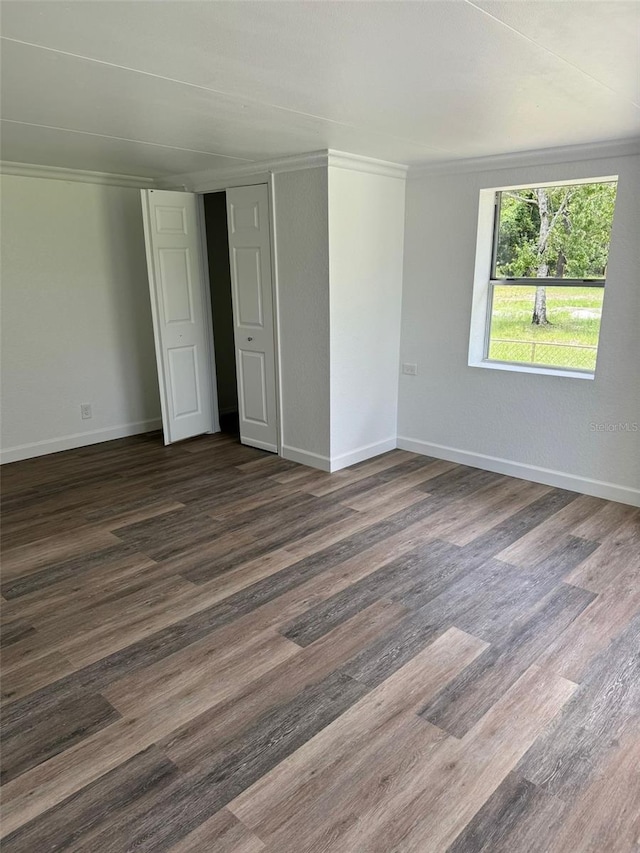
column 410, row 369
column 85, row 411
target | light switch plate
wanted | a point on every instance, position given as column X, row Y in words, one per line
column 410, row 369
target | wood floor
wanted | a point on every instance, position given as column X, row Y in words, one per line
column 208, row 648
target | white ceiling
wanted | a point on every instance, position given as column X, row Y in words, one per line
column 163, row 87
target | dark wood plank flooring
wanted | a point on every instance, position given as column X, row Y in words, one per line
column 208, row 648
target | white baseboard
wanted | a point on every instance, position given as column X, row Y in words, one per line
column 337, row 463
column 547, row 476
column 305, row 457
column 367, row 451
column 79, row 439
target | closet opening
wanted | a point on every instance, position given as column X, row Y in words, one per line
column 217, row 240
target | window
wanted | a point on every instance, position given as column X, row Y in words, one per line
column 548, row 253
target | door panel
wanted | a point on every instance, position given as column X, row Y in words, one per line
column 183, row 374
column 250, row 257
column 175, row 285
column 179, row 306
column 245, row 215
column 170, row 220
column 246, row 264
column 254, row 385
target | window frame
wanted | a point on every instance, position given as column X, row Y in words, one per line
column 485, row 281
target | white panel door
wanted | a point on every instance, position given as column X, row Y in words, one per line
column 250, row 256
column 180, row 312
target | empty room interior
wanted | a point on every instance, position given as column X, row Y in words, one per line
column 320, row 429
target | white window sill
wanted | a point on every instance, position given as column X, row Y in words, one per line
column 532, row 368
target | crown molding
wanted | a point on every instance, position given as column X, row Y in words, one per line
column 57, row 173
column 540, row 157
column 359, row 163
column 216, row 179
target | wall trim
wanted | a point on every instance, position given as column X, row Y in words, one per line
column 209, row 183
column 78, row 439
column 358, row 163
column 215, row 179
column 337, row 463
column 367, row 451
column 57, row 173
column 540, row 157
column 547, row 476
column 312, row 160
column 305, row 457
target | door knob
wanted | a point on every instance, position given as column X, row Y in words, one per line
column 249, row 339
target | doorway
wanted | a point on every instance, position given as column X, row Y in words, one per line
column 217, row 241
column 240, row 286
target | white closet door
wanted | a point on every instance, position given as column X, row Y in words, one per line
column 179, row 305
column 250, row 257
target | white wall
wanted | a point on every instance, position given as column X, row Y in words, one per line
column 529, row 425
column 366, row 233
column 302, row 257
column 76, row 321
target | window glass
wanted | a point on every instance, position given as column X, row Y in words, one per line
column 557, row 232
column 551, row 244
column 569, row 339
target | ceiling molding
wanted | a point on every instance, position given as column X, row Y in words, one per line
column 358, row 163
column 216, row 179
column 541, row 157
column 57, row 173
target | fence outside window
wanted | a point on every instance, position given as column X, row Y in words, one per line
column 551, row 353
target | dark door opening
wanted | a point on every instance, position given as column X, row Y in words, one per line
column 215, row 216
